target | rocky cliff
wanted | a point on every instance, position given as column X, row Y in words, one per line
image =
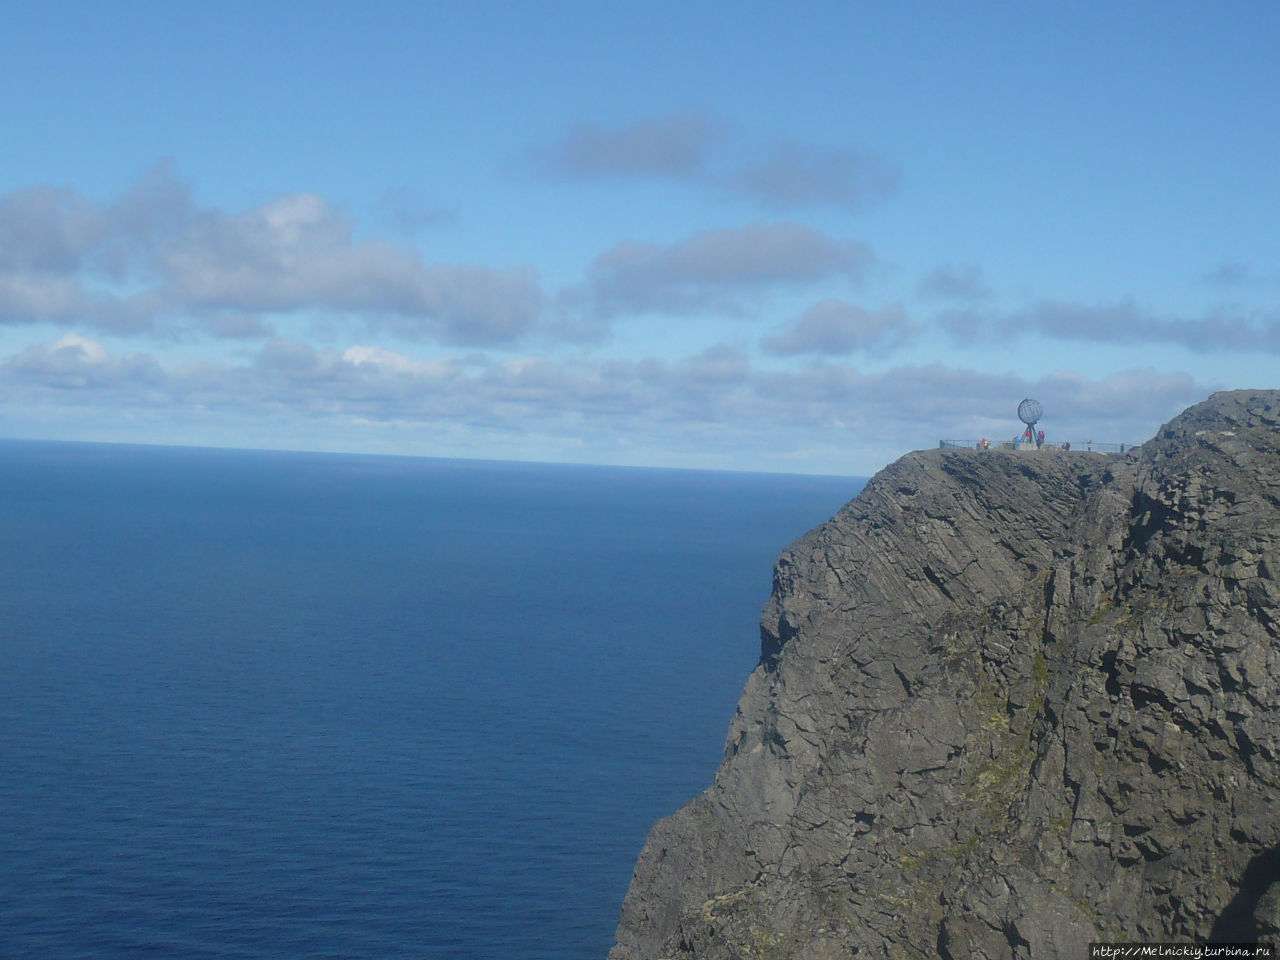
column 1007, row 703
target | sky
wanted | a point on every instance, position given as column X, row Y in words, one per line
column 796, row 238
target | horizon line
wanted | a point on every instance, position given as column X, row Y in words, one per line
column 310, row 451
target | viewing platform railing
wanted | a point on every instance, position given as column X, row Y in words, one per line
column 1074, row 446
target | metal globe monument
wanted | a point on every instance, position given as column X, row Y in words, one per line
column 1030, row 412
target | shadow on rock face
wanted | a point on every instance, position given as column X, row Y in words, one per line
column 1254, row 912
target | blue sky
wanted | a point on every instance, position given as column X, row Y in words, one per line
column 707, row 235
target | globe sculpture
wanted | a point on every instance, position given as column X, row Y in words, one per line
column 1030, row 412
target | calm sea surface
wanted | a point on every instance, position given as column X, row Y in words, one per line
column 271, row 705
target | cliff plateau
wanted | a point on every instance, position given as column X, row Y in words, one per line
column 1007, row 704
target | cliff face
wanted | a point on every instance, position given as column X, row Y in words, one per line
column 1007, row 703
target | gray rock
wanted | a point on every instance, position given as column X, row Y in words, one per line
column 1007, row 703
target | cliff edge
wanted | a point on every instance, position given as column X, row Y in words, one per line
column 1007, row 704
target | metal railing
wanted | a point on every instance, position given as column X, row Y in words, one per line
column 1075, row 446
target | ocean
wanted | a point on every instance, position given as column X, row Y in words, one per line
column 279, row 705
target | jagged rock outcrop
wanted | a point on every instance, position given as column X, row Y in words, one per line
column 1008, row 703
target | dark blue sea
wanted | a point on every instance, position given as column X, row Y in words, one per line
column 271, row 705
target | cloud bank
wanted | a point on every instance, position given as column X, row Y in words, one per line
column 808, row 376
column 155, row 262
column 717, row 401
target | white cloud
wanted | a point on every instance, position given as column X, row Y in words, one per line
column 298, row 253
column 288, row 357
column 837, row 328
column 76, row 366
column 795, row 175
column 83, row 348
column 949, row 282
column 48, row 229
column 720, row 270
column 388, row 361
column 666, row 147
column 32, row 295
column 152, row 261
column 712, row 408
column 706, row 152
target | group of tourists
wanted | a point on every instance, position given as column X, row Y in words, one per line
column 1030, row 412
column 1037, row 438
